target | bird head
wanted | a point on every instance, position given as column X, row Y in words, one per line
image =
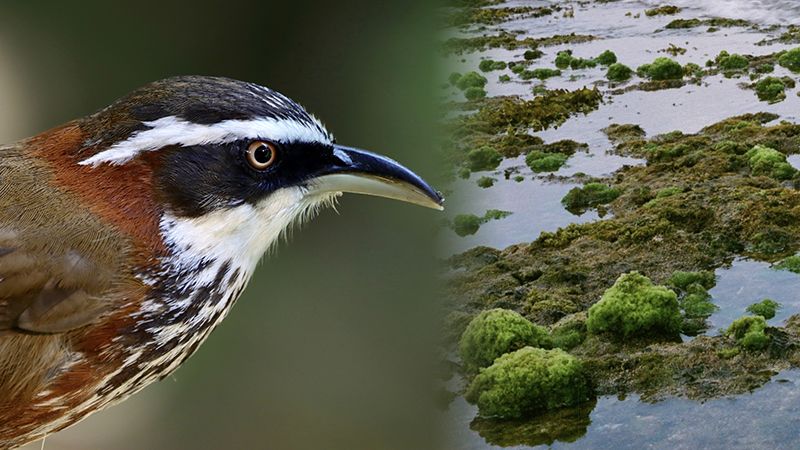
column 223, row 166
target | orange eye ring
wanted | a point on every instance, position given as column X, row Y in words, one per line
column 261, row 154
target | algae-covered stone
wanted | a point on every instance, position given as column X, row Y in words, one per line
column 662, row 68
column 765, row 308
column 769, row 162
column 471, row 79
column 545, row 162
column 483, row 158
column 791, row 60
column 528, row 381
column 618, row 72
column 474, row 93
column 749, row 332
column 606, row 58
column 634, row 306
column 504, row 78
column 590, row 195
column 496, row 332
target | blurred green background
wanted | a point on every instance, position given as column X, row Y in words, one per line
column 329, row 348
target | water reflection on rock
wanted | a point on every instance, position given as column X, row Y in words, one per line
column 563, row 425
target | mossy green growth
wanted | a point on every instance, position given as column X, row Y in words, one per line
column 471, row 79
column 791, row 59
column 735, row 61
column 541, row 73
column 591, row 195
column 528, row 381
column 488, row 65
column 453, row 78
column 662, row 68
column 530, row 55
column 765, row 308
column 495, row 332
column 683, row 280
column 619, row 72
column 792, row 264
column 486, row 182
column 694, row 299
column 606, row 58
column 769, row 162
column 483, row 158
column 749, row 332
column 517, row 68
column 504, row 78
column 563, row 58
column 582, row 63
column 466, row 224
column 474, row 93
column 765, row 68
column 545, row 162
column 634, row 306
column 771, row 90
column 569, row 332
column 668, row 192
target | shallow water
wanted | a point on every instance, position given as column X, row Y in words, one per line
column 770, row 416
column 747, row 282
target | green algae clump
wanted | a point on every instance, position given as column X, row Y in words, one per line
column 483, row 158
column 471, row 79
column 494, row 333
column 528, row 381
column 488, row 65
column 792, row 264
column 466, row 224
column 539, row 74
column 765, row 308
column 771, row 90
column 769, row 162
column 606, row 58
column 791, row 60
column 619, row 72
column 545, row 162
column 634, row 306
column 662, row 68
column 749, row 332
column 486, row 182
column 474, row 93
column 732, row 62
column 579, row 199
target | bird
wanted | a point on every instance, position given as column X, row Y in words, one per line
column 127, row 235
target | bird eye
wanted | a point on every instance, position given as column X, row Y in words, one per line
column 261, row 155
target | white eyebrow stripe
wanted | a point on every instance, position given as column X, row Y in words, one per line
column 176, row 131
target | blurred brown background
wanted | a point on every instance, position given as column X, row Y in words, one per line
column 328, row 348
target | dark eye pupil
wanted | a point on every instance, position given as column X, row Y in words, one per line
column 262, row 154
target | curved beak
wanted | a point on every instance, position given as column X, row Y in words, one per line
column 362, row 172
